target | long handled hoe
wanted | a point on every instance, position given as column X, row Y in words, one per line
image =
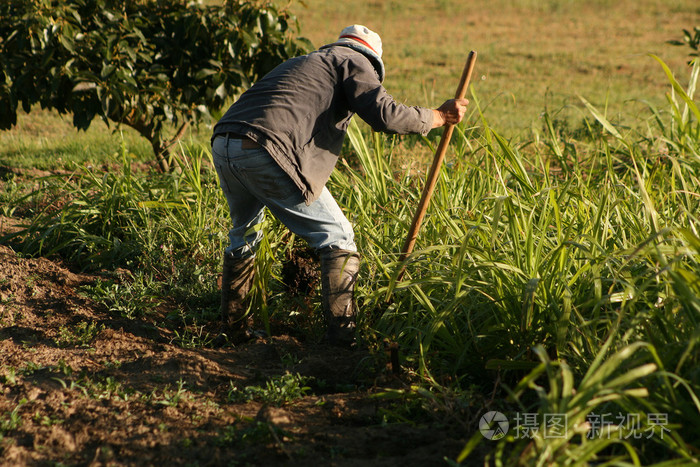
column 435, row 168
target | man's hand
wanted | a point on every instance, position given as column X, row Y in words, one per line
column 450, row 113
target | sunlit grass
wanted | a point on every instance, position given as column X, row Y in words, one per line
column 532, row 54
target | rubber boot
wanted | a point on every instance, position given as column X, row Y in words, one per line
column 236, row 282
column 339, row 269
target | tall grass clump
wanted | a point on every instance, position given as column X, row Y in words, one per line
column 168, row 229
column 550, row 254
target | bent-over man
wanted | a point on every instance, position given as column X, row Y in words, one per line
column 276, row 147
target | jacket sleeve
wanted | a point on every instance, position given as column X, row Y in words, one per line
column 367, row 98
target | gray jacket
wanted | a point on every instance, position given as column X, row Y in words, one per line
column 300, row 111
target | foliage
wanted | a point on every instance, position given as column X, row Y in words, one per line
column 130, row 299
column 192, row 339
column 546, row 254
column 97, row 218
column 578, row 437
column 145, row 64
column 690, row 39
column 248, row 431
column 169, row 397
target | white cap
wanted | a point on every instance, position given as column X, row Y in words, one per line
column 362, row 35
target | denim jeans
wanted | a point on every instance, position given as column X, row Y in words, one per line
column 251, row 180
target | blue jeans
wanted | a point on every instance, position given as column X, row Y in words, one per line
column 251, row 180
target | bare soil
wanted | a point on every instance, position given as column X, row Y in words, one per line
column 128, row 395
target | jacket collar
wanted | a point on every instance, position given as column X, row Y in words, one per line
column 376, row 61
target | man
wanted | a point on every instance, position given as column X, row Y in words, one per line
column 277, row 145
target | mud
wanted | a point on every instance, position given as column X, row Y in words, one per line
column 301, row 273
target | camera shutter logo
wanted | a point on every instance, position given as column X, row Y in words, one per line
column 493, row 425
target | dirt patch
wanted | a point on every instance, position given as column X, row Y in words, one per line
column 81, row 386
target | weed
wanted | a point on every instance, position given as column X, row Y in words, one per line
column 289, row 359
column 46, row 420
column 252, row 432
column 64, row 368
column 9, row 376
column 13, row 420
column 277, row 390
column 128, row 299
column 691, row 39
column 169, row 397
column 71, row 385
column 113, row 365
column 95, row 387
column 600, row 385
column 188, row 339
column 5, row 307
column 9, row 196
column 30, row 368
column 80, row 335
column 109, row 388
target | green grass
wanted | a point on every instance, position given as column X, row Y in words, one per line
column 583, row 250
column 532, row 55
column 46, row 141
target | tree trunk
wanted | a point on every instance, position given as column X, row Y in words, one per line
column 161, row 149
column 162, row 153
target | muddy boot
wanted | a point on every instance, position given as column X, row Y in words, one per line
column 236, row 282
column 339, row 270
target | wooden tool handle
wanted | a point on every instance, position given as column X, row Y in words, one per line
column 435, row 167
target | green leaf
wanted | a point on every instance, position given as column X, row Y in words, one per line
column 107, row 71
column 678, row 88
column 67, row 43
column 601, row 119
column 201, row 74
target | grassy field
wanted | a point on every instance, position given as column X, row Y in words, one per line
column 555, row 279
column 532, row 56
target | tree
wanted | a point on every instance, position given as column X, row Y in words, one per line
column 149, row 64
